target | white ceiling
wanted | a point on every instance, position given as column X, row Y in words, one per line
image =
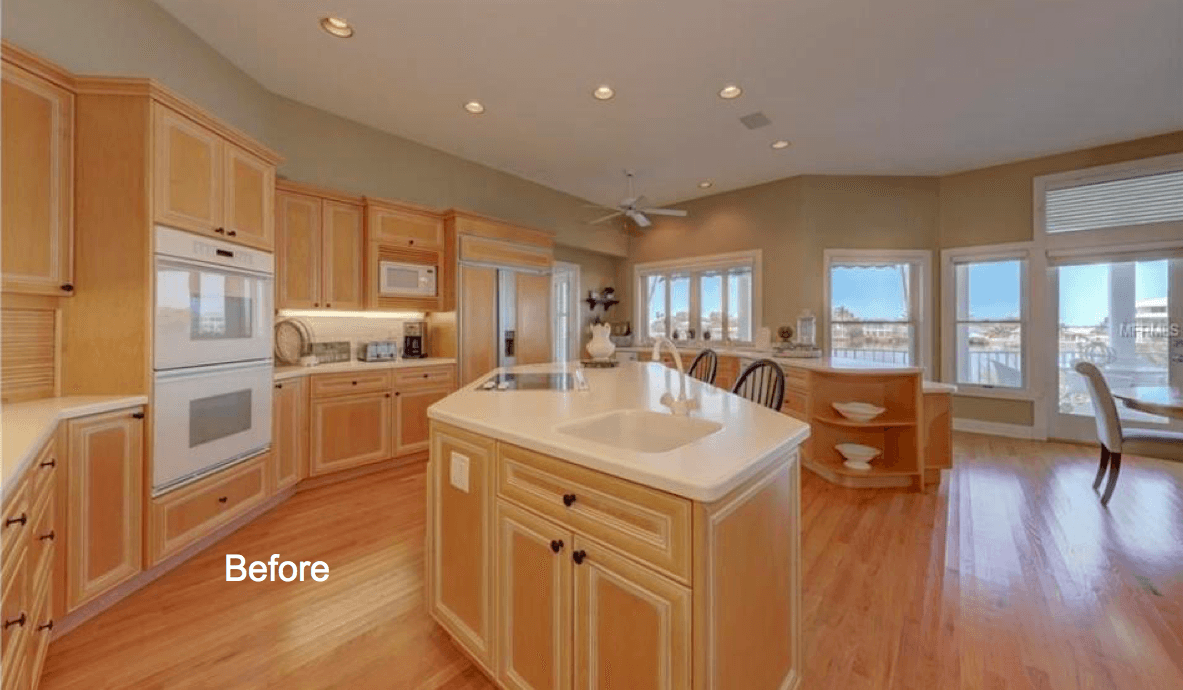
column 858, row 86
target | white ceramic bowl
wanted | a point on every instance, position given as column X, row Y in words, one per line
column 859, row 411
column 856, row 452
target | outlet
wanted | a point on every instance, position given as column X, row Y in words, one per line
column 458, row 471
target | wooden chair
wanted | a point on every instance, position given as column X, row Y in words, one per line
column 1165, row 445
column 705, row 366
column 763, row 382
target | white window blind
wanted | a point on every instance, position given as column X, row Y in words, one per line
column 1155, row 197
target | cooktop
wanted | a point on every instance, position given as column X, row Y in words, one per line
column 534, row 381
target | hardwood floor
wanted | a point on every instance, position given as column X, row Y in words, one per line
column 1009, row 575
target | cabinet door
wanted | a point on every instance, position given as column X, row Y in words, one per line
column 38, row 184
column 289, row 435
column 349, row 431
column 406, row 228
column 105, row 525
column 534, row 601
column 410, row 417
column 16, row 614
column 298, row 251
column 533, row 319
column 344, row 244
column 250, row 199
column 632, row 626
column 188, row 173
column 478, row 322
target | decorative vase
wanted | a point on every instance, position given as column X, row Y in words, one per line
column 600, row 346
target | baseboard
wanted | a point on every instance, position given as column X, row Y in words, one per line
column 107, row 600
column 977, row 426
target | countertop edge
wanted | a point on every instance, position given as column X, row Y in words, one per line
column 295, row 371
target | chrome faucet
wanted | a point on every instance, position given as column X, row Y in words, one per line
column 682, row 405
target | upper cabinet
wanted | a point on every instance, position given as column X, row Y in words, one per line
column 298, row 250
column 320, row 249
column 405, row 234
column 205, row 183
column 37, row 200
column 344, row 247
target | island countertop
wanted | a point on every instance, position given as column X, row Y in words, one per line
column 703, row 470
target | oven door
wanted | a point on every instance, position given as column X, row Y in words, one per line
column 206, row 417
column 207, row 314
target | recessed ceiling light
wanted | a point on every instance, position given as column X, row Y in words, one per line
column 474, row 107
column 730, row 91
column 337, row 27
column 603, row 92
column 780, row 144
column 705, row 184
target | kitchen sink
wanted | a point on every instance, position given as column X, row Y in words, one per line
column 643, row 431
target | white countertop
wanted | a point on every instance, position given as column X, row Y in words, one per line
column 704, row 470
column 284, row 373
column 26, row 426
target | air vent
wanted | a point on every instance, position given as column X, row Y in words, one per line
column 755, row 120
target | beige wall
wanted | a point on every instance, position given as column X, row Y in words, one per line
column 138, row 38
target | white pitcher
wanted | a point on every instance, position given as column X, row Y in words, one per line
column 601, row 346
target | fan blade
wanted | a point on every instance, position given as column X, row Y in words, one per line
column 638, row 202
column 665, row 212
column 610, row 216
column 639, row 219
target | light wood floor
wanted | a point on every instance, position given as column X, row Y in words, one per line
column 1010, row 575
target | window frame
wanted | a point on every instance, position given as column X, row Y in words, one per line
column 950, row 258
column 695, row 267
column 922, row 319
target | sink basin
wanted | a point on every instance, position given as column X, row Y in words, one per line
column 643, row 431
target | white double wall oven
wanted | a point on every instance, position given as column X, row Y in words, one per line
column 212, row 356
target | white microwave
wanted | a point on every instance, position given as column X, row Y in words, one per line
column 399, row 279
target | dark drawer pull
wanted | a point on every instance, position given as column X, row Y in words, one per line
column 355, row 383
column 233, row 233
column 12, row 521
column 556, row 545
column 279, row 385
column 67, row 288
column 52, row 462
column 568, row 499
column 578, row 556
column 49, row 535
column 223, row 499
column 220, row 231
column 46, row 626
column 15, row 621
column 137, row 415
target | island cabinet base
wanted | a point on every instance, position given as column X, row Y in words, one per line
column 550, row 575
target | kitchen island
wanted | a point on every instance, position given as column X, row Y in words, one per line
column 589, row 538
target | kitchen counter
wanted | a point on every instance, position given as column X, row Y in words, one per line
column 26, row 426
column 284, row 373
column 703, row 470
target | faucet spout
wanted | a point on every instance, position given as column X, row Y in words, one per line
column 682, row 405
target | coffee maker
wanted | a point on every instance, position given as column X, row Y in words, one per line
column 415, row 339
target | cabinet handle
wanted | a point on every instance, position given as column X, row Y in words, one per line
column 52, row 463
column 67, row 287
column 578, row 556
column 233, row 233
column 46, row 626
column 15, row 621
column 223, row 499
column 568, row 499
column 220, row 231
column 426, row 375
column 398, row 392
column 137, row 415
column 410, row 243
column 556, row 545
column 50, row 535
column 355, row 383
column 327, row 305
column 279, row 385
column 316, row 304
column 388, row 395
column 12, row 521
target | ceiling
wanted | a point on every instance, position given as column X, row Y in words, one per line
column 857, row 86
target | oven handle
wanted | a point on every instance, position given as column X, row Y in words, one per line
column 214, row 369
column 166, row 260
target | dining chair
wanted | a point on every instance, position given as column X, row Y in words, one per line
column 705, row 366
column 1165, row 445
column 763, row 382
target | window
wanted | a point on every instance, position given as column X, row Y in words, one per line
column 702, row 300
column 986, row 317
column 1143, row 195
column 876, row 305
column 565, row 296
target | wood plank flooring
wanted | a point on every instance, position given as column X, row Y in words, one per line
column 1009, row 575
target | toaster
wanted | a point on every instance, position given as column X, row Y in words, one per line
column 377, row 351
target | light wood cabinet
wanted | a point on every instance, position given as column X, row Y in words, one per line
column 414, row 392
column 533, row 319
column 37, row 200
column 289, row 437
column 404, row 226
column 320, row 245
column 408, row 234
column 349, row 430
column 105, row 500
column 344, row 246
column 478, row 322
column 206, row 184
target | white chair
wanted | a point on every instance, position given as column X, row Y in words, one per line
column 1165, row 445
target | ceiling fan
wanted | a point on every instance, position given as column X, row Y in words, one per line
column 633, row 208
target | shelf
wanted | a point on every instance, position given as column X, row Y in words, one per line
column 874, row 423
column 839, row 468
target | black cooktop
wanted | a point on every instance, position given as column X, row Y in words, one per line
column 510, row 381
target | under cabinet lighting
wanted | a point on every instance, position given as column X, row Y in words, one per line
column 337, row 27
column 286, row 313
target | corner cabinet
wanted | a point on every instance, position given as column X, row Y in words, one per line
column 320, row 247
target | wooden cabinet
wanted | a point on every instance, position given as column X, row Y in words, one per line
column 349, row 429
column 289, row 436
column 104, row 504
column 37, row 200
column 408, row 234
column 534, row 595
column 206, row 184
column 415, row 390
column 478, row 322
column 320, row 245
column 533, row 313
column 404, row 226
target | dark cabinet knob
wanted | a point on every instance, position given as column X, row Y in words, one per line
column 578, row 556
column 47, row 536
column 316, row 304
column 556, row 545
column 426, row 375
column 52, row 463
column 15, row 621
column 233, row 233
column 279, row 385
column 137, row 415
column 222, row 499
column 328, row 305
column 355, row 383
column 568, row 499
column 46, row 626
column 388, row 395
column 67, row 287
column 410, row 243
column 21, row 520
column 220, row 231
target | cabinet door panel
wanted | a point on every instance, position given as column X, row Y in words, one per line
column 406, row 228
column 290, row 433
column 410, row 417
column 249, row 204
column 298, row 251
column 534, row 599
column 533, row 319
column 349, row 431
column 344, row 244
column 478, row 322
column 106, row 455
column 188, row 173
column 38, row 184
column 632, row 626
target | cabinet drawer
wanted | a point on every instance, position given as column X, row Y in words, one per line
column 192, row 512
column 43, row 471
column 652, row 525
column 433, row 376
column 14, row 606
column 328, row 385
column 794, row 403
column 42, row 539
column 796, row 378
column 16, row 519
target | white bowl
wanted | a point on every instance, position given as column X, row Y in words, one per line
column 859, row 411
column 856, row 452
